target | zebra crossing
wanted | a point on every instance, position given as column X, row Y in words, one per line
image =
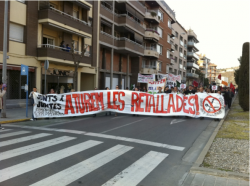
column 132, row 175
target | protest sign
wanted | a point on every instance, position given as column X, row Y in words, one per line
column 183, row 86
column 128, row 102
column 153, row 86
column 145, row 78
column 214, row 87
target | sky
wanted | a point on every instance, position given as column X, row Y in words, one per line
column 221, row 26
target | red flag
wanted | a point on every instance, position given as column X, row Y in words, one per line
column 232, row 87
column 219, row 77
column 195, row 83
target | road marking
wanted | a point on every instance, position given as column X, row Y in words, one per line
column 176, row 121
column 83, row 168
column 52, row 125
column 16, row 170
column 19, row 140
column 13, row 134
column 5, row 130
column 118, row 117
column 136, row 172
column 122, row 126
column 71, row 131
column 144, row 142
column 34, row 147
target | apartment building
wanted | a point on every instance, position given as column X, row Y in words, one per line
column 192, row 57
column 179, row 57
column 36, row 30
column 133, row 39
column 212, row 73
column 203, row 63
column 227, row 74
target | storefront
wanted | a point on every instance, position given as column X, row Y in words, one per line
column 16, row 82
column 59, row 80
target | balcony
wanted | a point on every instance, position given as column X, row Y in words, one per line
column 148, row 69
column 123, row 44
column 193, row 44
column 192, row 65
column 59, row 19
column 58, row 54
column 192, row 75
column 151, row 52
column 151, row 35
column 172, row 61
column 172, row 33
column 180, row 66
column 181, row 43
column 137, row 5
column 107, row 12
column 151, row 15
column 172, row 47
column 192, row 54
column 124, row 19
column 181, row 54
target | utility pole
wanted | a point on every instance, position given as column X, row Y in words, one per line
column 4, row 70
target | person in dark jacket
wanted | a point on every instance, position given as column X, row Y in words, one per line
column 225, row 95
column 189, row 91
column 167, row 90
column 230, row 97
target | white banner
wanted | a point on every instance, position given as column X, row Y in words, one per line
column 129, row 102
column 153, row 86
column 145, row 78
column 183, row 86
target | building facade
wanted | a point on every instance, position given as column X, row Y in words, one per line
column 203, row 64
column 212, row 73
column 133, row 39
column 192, row 57
column 179, row 56
column 227, row 74
column 35, row 34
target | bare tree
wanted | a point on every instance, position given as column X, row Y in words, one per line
column 77, row 60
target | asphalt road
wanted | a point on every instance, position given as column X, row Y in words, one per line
column 105, row 150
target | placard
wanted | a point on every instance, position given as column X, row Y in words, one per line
column 145, row 78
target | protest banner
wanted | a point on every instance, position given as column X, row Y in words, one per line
column 128, row 102
column 171, row 80
column 214, row 87
column 153, row 86
column 145, row 78
column 183, row 86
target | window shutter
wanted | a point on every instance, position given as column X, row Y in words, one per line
column 16, row 32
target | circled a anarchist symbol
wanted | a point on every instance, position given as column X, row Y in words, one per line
column 211, row 106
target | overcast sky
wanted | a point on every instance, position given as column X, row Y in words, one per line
column 222, row 26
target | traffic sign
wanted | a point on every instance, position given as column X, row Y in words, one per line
column 46, row 64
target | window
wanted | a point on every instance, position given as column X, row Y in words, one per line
column 167, row 69
column 160, row 15
column 52, row 5
column 48, row 42
column 170, row 70
column 169, row 24
column 76, row 14
column 159, row 49
column 16, row 32
column 176, row 34
column 181, row 38
column 168, row 54
column 159, row 66
column 153, row 64
column 179, row 72
column 176, row 47
column 168, row 38
column 175, row 59
column 180, row 61
column 175, row 71
column 180, row 49
column 159, row 30
column 184, row 74
column 143, row 63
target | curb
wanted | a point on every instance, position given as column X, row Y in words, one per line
column 196, row 166
column 15, row 120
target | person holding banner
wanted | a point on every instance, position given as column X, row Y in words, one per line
column 160, row 90
column 108, row 111
column 189, row 91
column 167, row 90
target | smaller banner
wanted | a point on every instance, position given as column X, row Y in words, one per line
column 214, row 87
column 183, row 86
column 153, row 86
column 145, row 78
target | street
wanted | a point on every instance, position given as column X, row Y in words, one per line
column 102, row 150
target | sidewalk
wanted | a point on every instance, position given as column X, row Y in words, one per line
column 16, row 114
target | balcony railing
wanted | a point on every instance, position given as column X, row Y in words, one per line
column 149, row 66
column 181, row 43
column 148, row 15
column 56, row 52
column 192, row 54
column 192, row 44
column 192, row 75
column 193, row 65
column 151, row 34
column 125, row 20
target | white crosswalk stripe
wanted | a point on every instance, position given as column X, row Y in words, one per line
column 30, row 165
column 13, row 134
column 5, row 130
column 22, row 139
column 34, row 147
column 75, row 172
column 136, row 172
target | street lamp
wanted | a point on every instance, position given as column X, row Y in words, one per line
column 4, row 70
